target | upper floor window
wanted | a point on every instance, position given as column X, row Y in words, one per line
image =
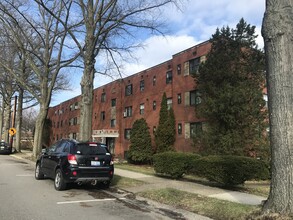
column 193, row 65
column 195, row 97
column 141, row 109
column 128, row 90
column 141, row 86
column 169, row 77
column 169, row 103
column 113, row 123
column 154, row 105
column 127, row 134
column 154, row 80
column 103, row 97
column 75, row 121
column 103, row 115
column 179, row 69
column 128, row 111
column 179, row 98
column 113, row 102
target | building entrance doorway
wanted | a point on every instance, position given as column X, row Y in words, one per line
column 110, row 142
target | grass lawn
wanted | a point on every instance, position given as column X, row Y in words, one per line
column 260, row 188
column 210, row 207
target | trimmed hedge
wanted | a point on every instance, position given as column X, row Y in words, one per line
column 173, row 164
column 230, row 170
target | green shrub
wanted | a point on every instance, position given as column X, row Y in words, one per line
column 140, row 150
column 173, row 164
column 230, row 170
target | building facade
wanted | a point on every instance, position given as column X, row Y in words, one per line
column 118, row 104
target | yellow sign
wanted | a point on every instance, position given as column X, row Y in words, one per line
column 12, row 131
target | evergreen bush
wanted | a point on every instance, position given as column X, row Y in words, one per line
column 140, row 150
column 230, row 170
column 173, row 164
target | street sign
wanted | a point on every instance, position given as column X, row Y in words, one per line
column 12, row 131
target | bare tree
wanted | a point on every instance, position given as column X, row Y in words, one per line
column 108, row 27
column 277, row 31
column 41, row 40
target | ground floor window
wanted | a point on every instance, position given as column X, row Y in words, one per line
column 195, row 129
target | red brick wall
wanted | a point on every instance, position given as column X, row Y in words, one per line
column 180, row 84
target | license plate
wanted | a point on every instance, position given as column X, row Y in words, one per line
column 95, row 163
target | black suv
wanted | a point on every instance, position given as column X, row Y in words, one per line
column 4, row 148
column 69, row 161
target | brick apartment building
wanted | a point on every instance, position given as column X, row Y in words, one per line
column 118, row 104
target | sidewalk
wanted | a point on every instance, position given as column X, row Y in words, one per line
column 154, row 182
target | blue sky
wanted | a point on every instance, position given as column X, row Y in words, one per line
column 195, row 23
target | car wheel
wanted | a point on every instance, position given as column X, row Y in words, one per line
column 59, row 183
column 38, row 173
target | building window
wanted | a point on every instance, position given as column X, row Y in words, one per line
column 169, row 103
column 127, row 134
column 76, row 105
column 195, row 129
column 128, row 90
column 154, row 105
column 113, row 102
column 195, row 97
column 141, row 109
column 179, row 69
column 179, row 128
column 141, row 86
column 128, row 111
column 179, row 98
column 103, row 97
column 103, row 115
column 113, row 123
column 193, row 65
column 169, row 77
column 61, row 123
column 74, row 136
column 265, row 97
column 75, row 121
column 154, row 80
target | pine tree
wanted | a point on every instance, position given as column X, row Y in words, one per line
column 231, row 83
column 165, row 134
column 140, row 151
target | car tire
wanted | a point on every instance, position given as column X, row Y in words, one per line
column 38, row 172
column 59, row 182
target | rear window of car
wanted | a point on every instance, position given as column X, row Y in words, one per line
column 90, row 149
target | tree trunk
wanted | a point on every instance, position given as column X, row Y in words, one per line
column 86, row 105
column 18, row 120
column 39, row 127
column 1, row 119
column 277, row 32
column 6, row 121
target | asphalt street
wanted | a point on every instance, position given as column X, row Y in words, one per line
column 24, row 198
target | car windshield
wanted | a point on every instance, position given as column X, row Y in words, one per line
column 90, row 149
